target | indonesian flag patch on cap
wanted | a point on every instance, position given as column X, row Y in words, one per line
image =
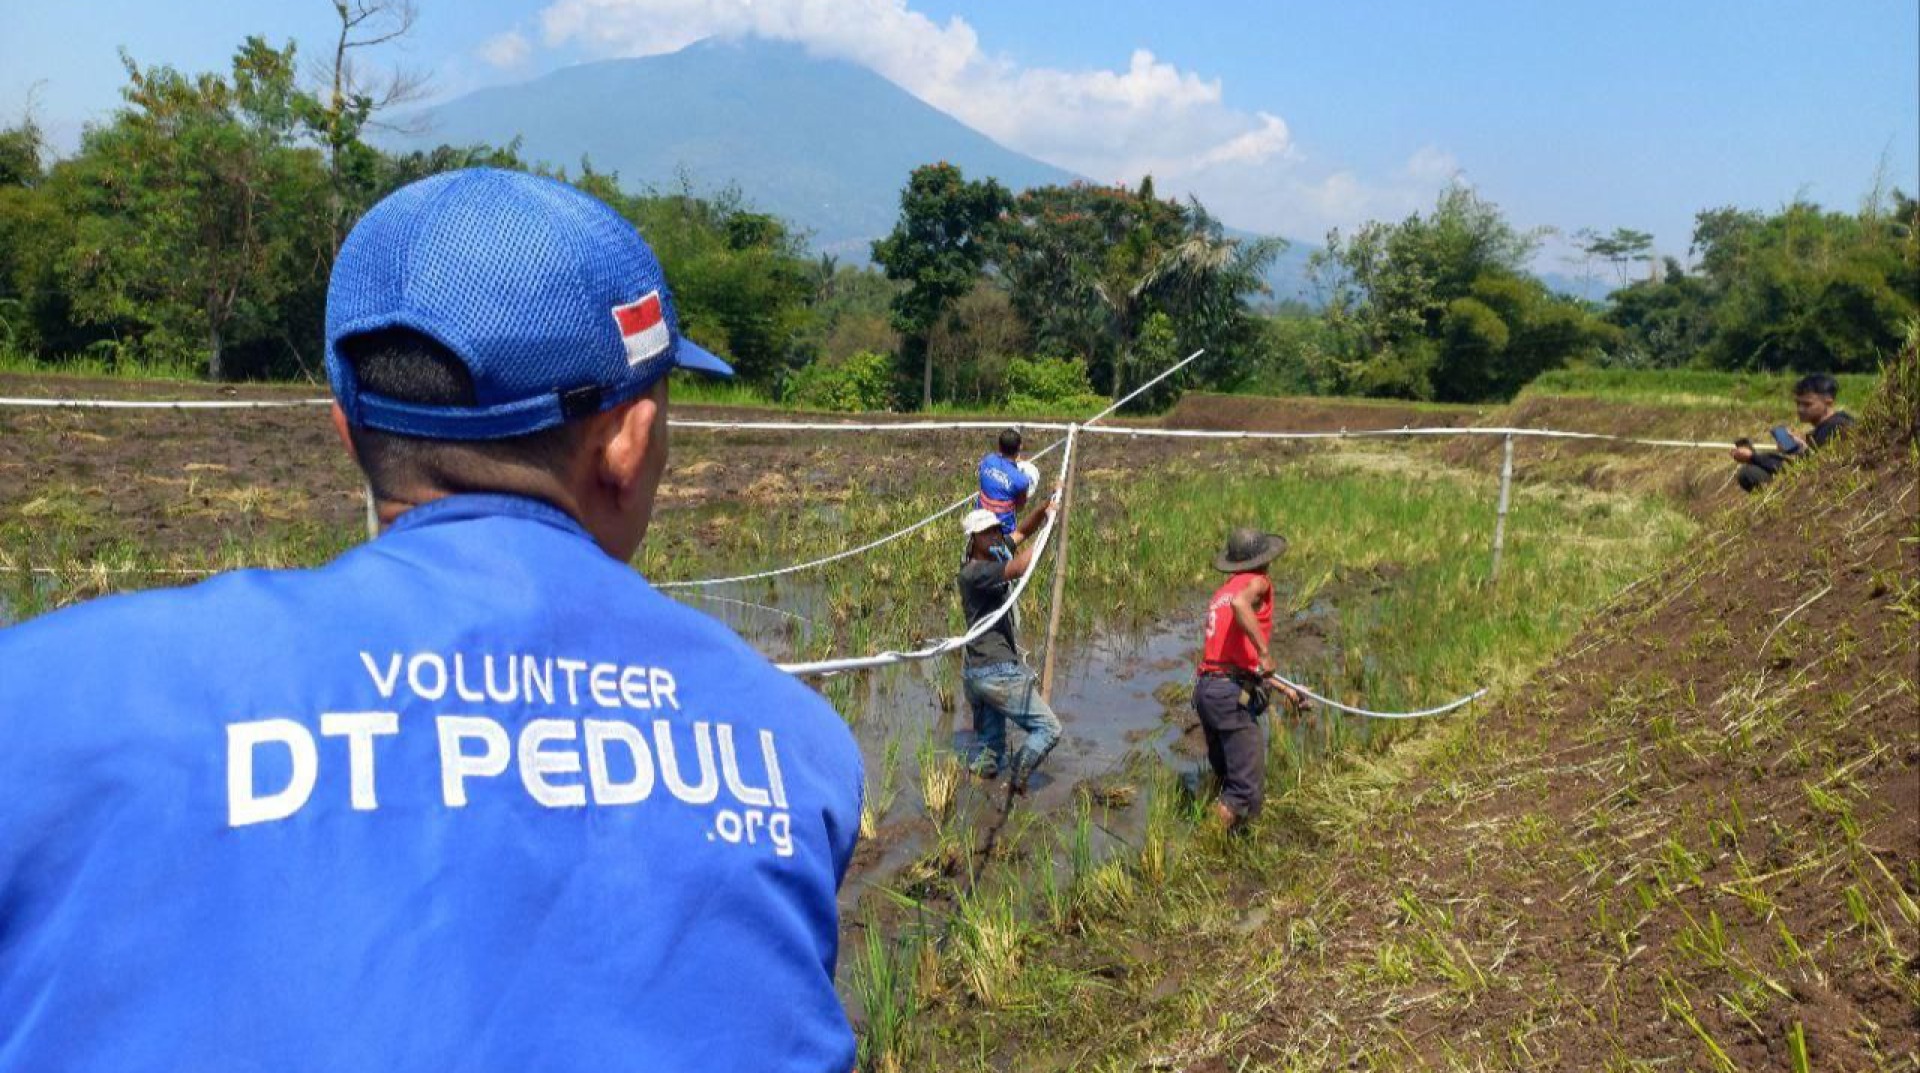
column 643, row 327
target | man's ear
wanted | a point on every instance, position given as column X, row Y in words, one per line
column 634, row 433
column 340, row 429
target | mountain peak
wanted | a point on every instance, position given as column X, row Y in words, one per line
column 824, row 143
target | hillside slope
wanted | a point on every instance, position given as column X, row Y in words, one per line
column 1696, row 837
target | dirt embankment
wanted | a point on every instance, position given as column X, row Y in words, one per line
column 1201, row 410
column 1699, row 479
column 1694, row 839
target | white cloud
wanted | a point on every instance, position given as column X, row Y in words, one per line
column 1112, row 125
column 1304, row 204
column 1107, row 124
column 506, row 51
column 1430, row 163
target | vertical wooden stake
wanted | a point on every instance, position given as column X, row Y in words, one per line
column 1059, row 567
column 373, row 515
column 1500, row 519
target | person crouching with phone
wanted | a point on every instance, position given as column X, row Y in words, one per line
column 1814, row 399
column 1235, row 675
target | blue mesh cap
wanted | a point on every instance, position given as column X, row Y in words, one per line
column 552, row 300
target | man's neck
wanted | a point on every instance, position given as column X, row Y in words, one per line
column 389, row 507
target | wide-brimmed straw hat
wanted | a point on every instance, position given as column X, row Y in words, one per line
column 1249, row 549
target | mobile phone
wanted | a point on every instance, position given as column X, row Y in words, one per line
column 1785, row 439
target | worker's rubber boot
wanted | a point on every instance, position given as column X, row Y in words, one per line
column 1022, row 769
column 1025, row 763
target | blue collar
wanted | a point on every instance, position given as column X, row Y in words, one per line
column 460, row 508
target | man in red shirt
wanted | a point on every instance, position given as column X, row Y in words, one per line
column 1234, row 664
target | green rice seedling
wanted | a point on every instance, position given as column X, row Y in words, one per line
column 1304, row 935
column 988, row 937
column 1434, row 943
column 1750, row 890
column 1108, row 889
column 1857, row 908
column 940, row 776
column 1080, row 845
column 1616, row 931
column 877, row 803
column 1393, row 963
column 1903, row 902
column 1056, row 898
column 1797, row 1049
column 1707, row 942
column 1681, row 865
column 1530, row 830
column 1673, row 999
column 881, row 989
column 927, row 977
column 1860, row 908
column 1157, row 843
column 1285, row 757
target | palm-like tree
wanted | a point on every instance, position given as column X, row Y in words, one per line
column 1202, row 275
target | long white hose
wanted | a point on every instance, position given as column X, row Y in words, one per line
column 1371, row 714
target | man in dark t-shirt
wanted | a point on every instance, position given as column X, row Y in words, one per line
column 998, row 686
column 1813, row 399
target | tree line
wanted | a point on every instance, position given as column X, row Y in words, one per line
column 194, row 228
column 1442, row 305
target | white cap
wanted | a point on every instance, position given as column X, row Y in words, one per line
column 979, row 521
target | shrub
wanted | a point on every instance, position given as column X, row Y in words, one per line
column 862, row 381
column 1050, row 385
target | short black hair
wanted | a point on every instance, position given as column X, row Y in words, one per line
column 1818, row 384
column 1010, row 442
column 408, row 366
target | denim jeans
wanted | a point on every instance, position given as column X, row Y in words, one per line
column 999, row 692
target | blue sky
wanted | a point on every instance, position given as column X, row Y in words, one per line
column 1287, row 117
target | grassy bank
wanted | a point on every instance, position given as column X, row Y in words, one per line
column 1689, row 387
column 1361, row 401
column 127, row 366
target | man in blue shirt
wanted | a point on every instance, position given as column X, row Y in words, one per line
column 472, row 796
column 1003, row 484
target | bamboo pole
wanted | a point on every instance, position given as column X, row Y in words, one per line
column 1500, row 519
column 1059, row 567
column 373, row 515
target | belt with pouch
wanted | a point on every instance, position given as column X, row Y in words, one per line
column 1255, row 693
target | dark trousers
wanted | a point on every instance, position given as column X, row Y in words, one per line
column 1236, row 749
column 1761, row 470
